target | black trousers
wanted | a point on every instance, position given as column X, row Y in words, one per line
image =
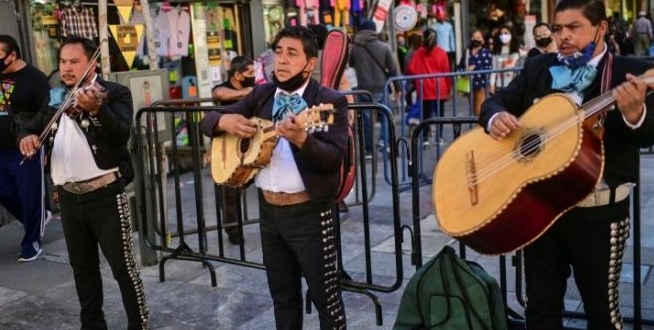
column 299, row 239
column 229, row 201
column 102, row 218
column 590, row 242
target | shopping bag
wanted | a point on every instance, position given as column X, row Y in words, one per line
column 462, row 84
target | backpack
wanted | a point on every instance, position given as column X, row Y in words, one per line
column 450, row 293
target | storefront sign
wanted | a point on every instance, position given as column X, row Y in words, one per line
column 50, row 24
column 127, row 37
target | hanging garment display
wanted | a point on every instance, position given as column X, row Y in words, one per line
column 80, row 21
column 308, row 11
column 341, row 13
column 160, row 29
column 179, row 22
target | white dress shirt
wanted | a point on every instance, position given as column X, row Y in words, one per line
column 282, row 174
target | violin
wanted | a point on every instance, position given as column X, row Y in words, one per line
column 97, row 91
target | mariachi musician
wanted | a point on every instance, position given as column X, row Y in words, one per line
column 588, row 240
column 298, row 187
column 90, row 166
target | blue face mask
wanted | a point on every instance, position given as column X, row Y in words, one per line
column 579, row 58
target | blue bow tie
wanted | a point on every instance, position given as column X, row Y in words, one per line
column 570, row 80
column 286, row 105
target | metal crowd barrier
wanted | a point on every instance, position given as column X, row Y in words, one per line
column 461, row 106
column 515, row 318
column 191, row 238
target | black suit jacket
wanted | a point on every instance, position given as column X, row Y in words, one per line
column 621, row 142
column 320, row 158
column 107, row 133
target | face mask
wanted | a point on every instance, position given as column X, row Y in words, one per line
column 543, row 42
column 3, row 66
column 247, row 82
column 292, row 83
column 475, row 43
column 505, row 38
column 579, row 58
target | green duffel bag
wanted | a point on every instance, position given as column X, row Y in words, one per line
column 449, row 293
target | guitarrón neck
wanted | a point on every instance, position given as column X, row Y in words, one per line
column 605, row 100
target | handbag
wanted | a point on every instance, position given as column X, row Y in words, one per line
column 462, row 83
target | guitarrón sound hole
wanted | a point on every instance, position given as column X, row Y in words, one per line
column 531, row 145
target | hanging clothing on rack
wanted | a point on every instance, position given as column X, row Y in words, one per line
column 179, row 22
column 160, row 30
column 78, row 21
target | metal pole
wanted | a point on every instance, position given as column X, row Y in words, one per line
column 149, row 35
column 104, row 35
column 148, row 256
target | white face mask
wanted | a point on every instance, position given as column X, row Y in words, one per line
column 505, row 38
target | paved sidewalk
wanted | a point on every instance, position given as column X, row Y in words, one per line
column 41, row 294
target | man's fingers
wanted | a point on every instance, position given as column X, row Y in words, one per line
column 29, row 145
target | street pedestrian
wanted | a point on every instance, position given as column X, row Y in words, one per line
column 22, row 186
column 372, row 59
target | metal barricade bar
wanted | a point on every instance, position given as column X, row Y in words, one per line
column 148, row 156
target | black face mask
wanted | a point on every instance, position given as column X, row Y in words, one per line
column 292, row 83
column 3, row 66
column 475, row 43
column 247, row 82
column 543, row 42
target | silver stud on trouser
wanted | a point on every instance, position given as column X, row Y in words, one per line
column 130, row 261
column 330, row 276
column 619, row 232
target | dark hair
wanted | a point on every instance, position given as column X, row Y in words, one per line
column 593, row 10
column 514, row 44
column 320, row 32
column 88, row 45
column 368, row 24
column 429, row 39
column 306, row 36
column 539, row 25
column 9, row 44
column 414, row 40
column 239, row 64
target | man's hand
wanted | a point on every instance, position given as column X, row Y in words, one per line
column 237, row 125
column 291, row 131
column 91, row 98
column 502, row 125
column 630, row 97
column 29, row 145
